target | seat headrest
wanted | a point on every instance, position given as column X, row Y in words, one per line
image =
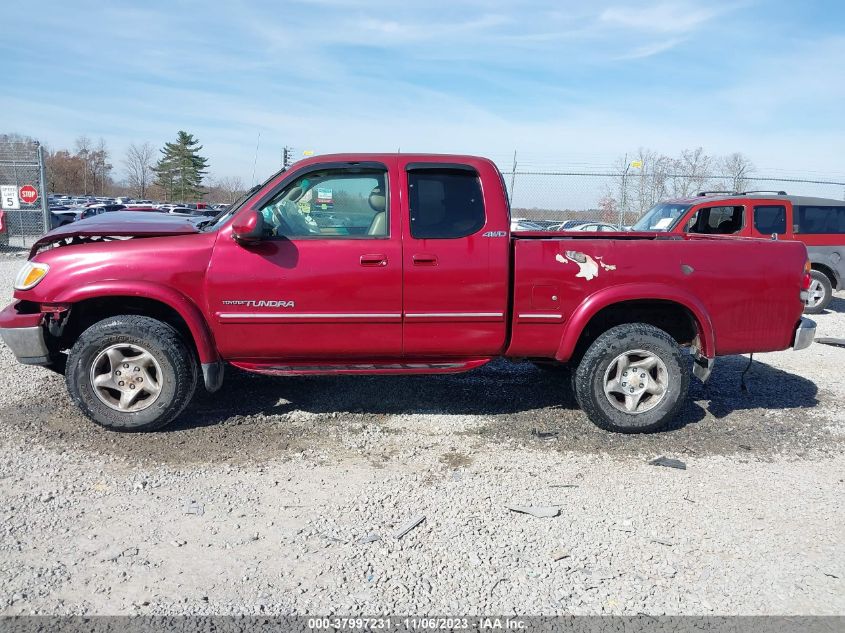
column 377, row 199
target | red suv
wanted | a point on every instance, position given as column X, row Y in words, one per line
column 817, row 222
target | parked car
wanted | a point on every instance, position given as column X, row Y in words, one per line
column 819, row 223
column 566, row 225
column 594, row 226
column 61, row 215
column 143, row 207
column 424, row 280
column 521, row 224
column 102, row 207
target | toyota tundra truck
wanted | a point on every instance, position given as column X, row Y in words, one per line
column 414, row 271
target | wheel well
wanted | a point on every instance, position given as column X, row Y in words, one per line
column 827, row 272
column 673, row 318
column 85, row 313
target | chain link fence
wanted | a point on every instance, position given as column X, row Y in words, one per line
column 24, row 211
column 555, row 196
column 536, row 194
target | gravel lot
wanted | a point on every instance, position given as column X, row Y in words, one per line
column 261, row 498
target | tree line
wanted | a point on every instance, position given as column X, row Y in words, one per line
column 175, row 173
column 646, row 177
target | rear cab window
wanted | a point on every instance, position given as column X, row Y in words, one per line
column 445, row 202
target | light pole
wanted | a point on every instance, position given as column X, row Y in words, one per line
column 637, row 164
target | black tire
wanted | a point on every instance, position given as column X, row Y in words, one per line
column 176, row 371
column 824, row 286
column 596, row 365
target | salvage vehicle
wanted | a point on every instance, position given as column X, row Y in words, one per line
column 422, row 276
column 817, row 222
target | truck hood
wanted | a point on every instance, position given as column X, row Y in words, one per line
column 118, row 224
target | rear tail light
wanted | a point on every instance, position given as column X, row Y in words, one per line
column 806, row 280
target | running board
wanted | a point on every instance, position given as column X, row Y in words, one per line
column 306, row 368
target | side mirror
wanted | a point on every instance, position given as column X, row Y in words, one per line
column 248, row 228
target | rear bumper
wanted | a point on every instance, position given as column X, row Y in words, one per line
column 24, row 334
column 804, row 334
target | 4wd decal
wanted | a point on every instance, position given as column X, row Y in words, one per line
column 588, row 268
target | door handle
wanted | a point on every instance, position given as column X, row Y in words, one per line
column 424, row 260
column 375, row 259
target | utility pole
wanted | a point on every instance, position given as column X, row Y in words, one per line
column 624, row 192
column 637, row 164
column 513, row 175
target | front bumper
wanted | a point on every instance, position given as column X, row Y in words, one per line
column 804, row 334
column 24, row 334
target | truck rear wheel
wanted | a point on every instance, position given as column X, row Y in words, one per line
column 820, row 293
column 633, row 379
column 131, row 373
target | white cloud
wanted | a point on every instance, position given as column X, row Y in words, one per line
column 674, row 17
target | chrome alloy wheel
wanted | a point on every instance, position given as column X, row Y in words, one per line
column 815, row 293
column 126, row 377
column 636, row 381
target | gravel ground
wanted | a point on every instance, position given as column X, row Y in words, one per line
column 268, row 497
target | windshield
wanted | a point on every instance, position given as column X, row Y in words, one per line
column 661, row 217
column 218, row 220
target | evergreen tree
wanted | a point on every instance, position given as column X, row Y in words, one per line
column 180, row 170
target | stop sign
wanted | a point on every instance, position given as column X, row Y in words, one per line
column 28, row 194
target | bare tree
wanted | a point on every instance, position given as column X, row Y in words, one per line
column 101, row 165
column 83, row 151
column 226, row 189
column 657, row 177
column 736, row 169
column 639, row 188
column 139, row 167
column 692, row 172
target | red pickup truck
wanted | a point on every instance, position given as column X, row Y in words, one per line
column 412, row 270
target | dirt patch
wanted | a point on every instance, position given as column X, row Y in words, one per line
column 455, row 460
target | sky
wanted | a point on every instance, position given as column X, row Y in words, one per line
column 563, row 83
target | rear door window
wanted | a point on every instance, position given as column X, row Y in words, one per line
column 820, row 219
column 445, row 203
column 770, row 219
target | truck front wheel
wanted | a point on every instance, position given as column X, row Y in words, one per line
column 633, row 379
column 131, row 373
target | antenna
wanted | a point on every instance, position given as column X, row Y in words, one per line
column 255, row 160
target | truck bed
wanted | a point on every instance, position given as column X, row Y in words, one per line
column 745, row 289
